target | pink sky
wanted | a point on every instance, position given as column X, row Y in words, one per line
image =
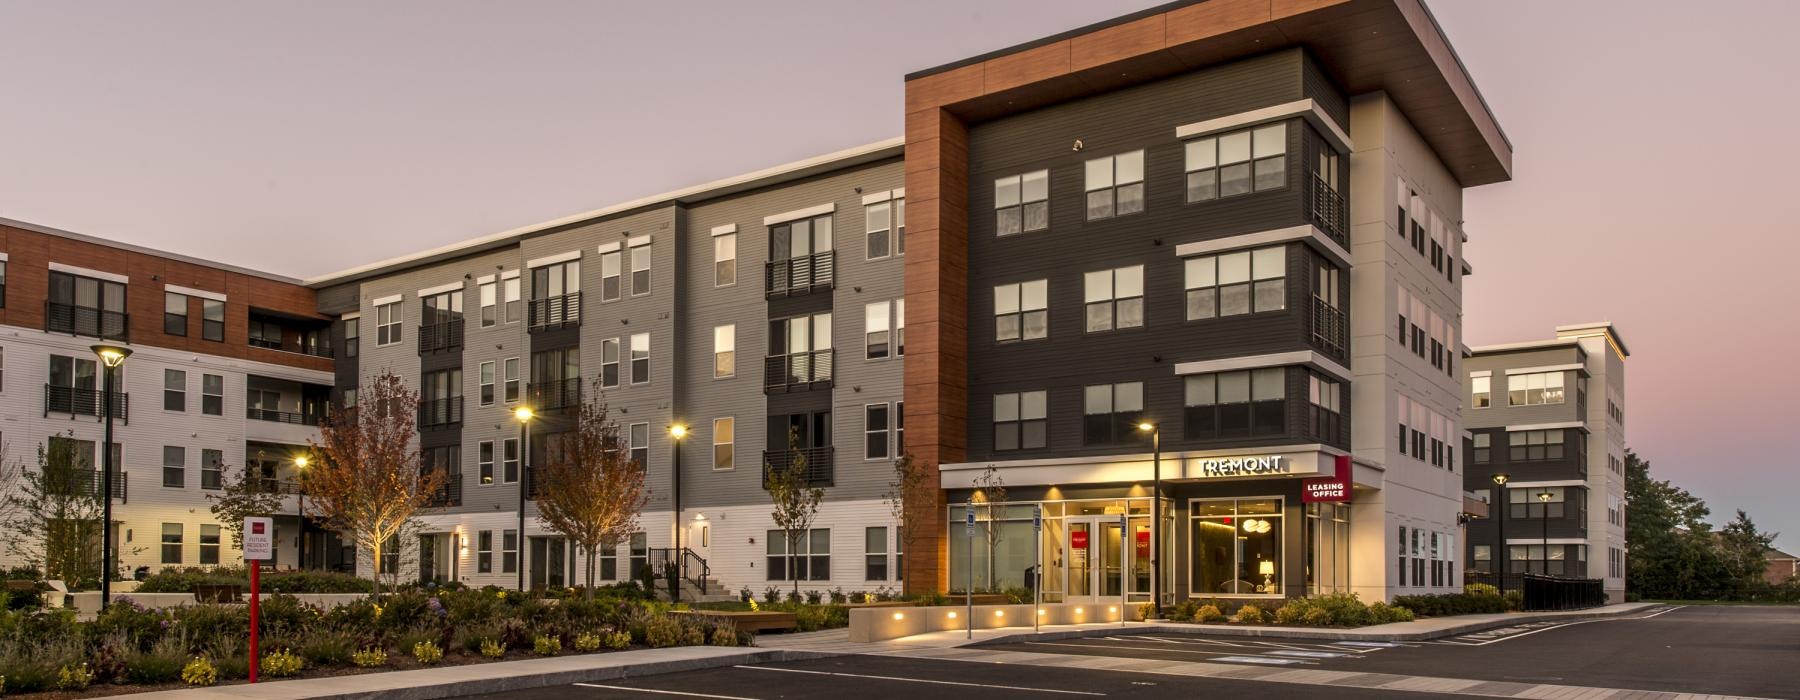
column 309, row 137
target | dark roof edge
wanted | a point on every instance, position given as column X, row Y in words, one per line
column 1053, row 38
column 145, row 250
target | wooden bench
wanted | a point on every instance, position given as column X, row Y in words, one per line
column 218, row 593
column 747, row 621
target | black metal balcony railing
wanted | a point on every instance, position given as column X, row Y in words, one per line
column 799, row 275
column 1326, row 206
column 285, row 487
column 554, row 312
column 550, row 396
column 800, row 371
column 84, row 402
column 816, row 472
column 270, row 343
column 440, row 412
column 530, row 482
column 440, row 336
column 88, row 321
column 447, row 494
column 316, row 350
column 1328, row 327
column 90, row 481
column 281, row 416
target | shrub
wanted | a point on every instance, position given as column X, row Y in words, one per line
column 161, row 664
column 74, row 677
column 1480, row 589
column 492, row 649
column 618, row 640
column 199, row 672
column 547, row 645
column 663, row 631
column 369, row 657
column 28, row 674
column 427, row 653
column 1382, row 613
column 327, row 648
column 237, row 666
column 419, row 635
column 281, row 664
column 1209, row 613
column 1249, row 615
column 587, row 642
column 1452, row 604
column 725, row 636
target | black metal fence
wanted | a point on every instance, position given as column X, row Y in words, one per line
column 1558, row 593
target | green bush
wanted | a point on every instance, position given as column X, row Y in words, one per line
column 1480, row 589
column 281, row 664
column 1446, row 604
column 326, row 647
column 427, row 653
column 618, row 641
column 370, row 657
column 662, row 631
column 183, row 580
column 1209, row 613
column 547, row 645
column 1249, row 615
column 74, row 677
column 233, row 667
column 199, row 672
column 161, row 664
column 1382, row 613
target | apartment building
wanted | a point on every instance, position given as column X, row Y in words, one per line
column 1549, row 415
column 1239, row 224
column 230, row 368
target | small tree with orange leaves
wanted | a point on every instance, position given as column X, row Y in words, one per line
column 590, row 490
column 370, row 481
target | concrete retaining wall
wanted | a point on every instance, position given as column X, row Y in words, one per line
column 878, row 624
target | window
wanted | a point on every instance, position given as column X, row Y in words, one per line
column 640, row 358
column 725, row 351
column 1022, row 203
column 1236, row 404
column 2, row 284
column 640, row 444
column 174, row 390
column 611, row 265
column 1112, row 412
column 1021, row 421
column 1115, row 298
column 1483, row 447
column 212, row 320
column 486, row 390
column 884, row 227
column 440, row 398
column 484, row 552
column 171, row 543
column 1535, row 445
column 511, row 367
column 725, row 260
column 86, row 306
column 899, row 428
column 1534, row 389
column 489, row 296
column 1481, row 392
column 484, row 459
column 387, row 324
column 352, row 336
column 875, row 560
column 1524, row 502
column 1115, row 185
column 509, row 464
column 876, row 327
column 1020, row 311
column 390, row 556
column 875, row 431
column 1237, row 546
column 175, row 313
column 1326, row 406
column 811, row 555
column 209, row 545
column 724, row 437
column 609, row 362
column 509, row 288
column 1236, row 283
column 1237, row 163
column 212, row 468
column 509, row 551
column 174, row 473
column 640, row 268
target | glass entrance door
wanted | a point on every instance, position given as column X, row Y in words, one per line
column 1097, row 566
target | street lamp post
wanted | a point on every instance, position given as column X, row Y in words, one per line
column 1544, row 499
column 1501, row 554
column 300, row 463
column 1155, row 515
column 111, row 356
column 676, row 433
column 524, row 414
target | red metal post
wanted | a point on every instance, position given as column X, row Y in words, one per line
column 255, row 614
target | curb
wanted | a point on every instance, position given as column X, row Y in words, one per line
column 1308, row 632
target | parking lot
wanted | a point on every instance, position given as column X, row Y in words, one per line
column 1706, row 650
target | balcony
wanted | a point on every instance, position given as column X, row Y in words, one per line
column 88, row 321
column 286, row 332
column 799, row 275
column 285, row 487
column 554, row 312
column 84, row 402
column 1328, row 327
column 438, row 413
column 438, row 337
column 817, row 472
column 282, row 417
column 1326, row 207
column 550, row 396
column 447, row 494
column 88, row 482
column 800, row 371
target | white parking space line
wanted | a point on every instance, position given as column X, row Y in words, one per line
column 1057, row 691
column 1309, row 654
column 654, row 691
column 1259, row 660
column 1196, row 640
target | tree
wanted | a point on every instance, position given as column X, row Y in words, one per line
column 591, row 491
column 1744, row 554
column 55, row 512
column 914, row 487
column 243, row 494
column 370, row 481
column 796, row 500
column 990, row 495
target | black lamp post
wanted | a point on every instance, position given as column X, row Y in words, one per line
column 1544, row 498
column 524, row 414
column 111, row 356
column 300, row 463
column 1155, row 515
column 676, row 433
column 1501, row 554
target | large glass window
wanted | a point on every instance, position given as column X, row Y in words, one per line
column 1111, row 413
column 488, row 293
column 1236, row 546
column 640, row 358
column 1327, row 547
column 212, row 320
column 1115, row 298
column 1115, row 185
column 1534, row 445
column 875, row 559
column 875, row 431
column 1021, row 311
column 387, row 324
column 1526, row 503
column 640, row 269
column 1534, row 389
column 175, row 313
column 811, row 560
column 1020, row 421
column 1237, row 163
column 174, row 466
column 1326, row 406
column 1250, row 281
column 1483, row 446
column 1236, row 404
column 171, row 543
column 1004, row 547
column 174, row 390
column 724, row 437
column 725, row 260
column 724, row 351
column 883, row 225
column 1022, row 203
column 1481, row 393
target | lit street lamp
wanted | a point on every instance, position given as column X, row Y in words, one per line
column 1501, row 554
column 111, row 356
column 678, row 431
column 1155, row 432
column 1544, row 498
column 300, row 462
column 524, row 415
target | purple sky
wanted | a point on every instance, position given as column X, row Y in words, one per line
column 309, row 137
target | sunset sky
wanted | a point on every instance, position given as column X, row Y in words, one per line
column 304, row 138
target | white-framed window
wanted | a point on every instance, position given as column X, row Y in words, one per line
column 509, row 460
column 1241, row 162
column 725, row 260
column 1481, row 393
column 174, row 466
column 724, row 441
column 884, row 228
column 509, row 551
column 876, row 431
column 489, row 294
column 875, row 559
column 884, row 326
column 171, row 543
column 1534, row 389
column 486, row 390
column 640, row 358
column 639, row 434
column 609, row 362
column 1021, row 421
column 1114, row 298
column 212, row 394
column 1247, row 281
column 811, row 560
column 611, row 264
column 1022, row 203
column 212, row 469
column 484, row 552
column 724, row 351
column 511, row 368
column 1115, row 185
column 1021, row 311
column 484, row 456
column 387, row 323
column 1483, row 444
column 209, row 544
column 640, row 269
column 509, row 288
column 174, row 390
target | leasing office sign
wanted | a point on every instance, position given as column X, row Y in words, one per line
column 1329, row 489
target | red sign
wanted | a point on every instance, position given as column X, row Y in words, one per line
column 256, row 528
column 1143, row 543
column 1332, row 489
column 1078, row 539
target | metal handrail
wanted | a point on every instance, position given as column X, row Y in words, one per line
column 447, row 494
column 692, row 566
column 818, row 470
column 89, row 482
column 84, row 402
column 440, row 412
column 797, row 371
column 86, row 320
column 800, row 274
column 1328, row 326
column 554, row 312
column 440, row 336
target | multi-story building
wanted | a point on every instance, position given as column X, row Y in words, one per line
column 231, row 368
column 1549, row 415
column 1236, row 222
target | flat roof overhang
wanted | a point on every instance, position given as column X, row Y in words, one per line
column 1394, row 46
